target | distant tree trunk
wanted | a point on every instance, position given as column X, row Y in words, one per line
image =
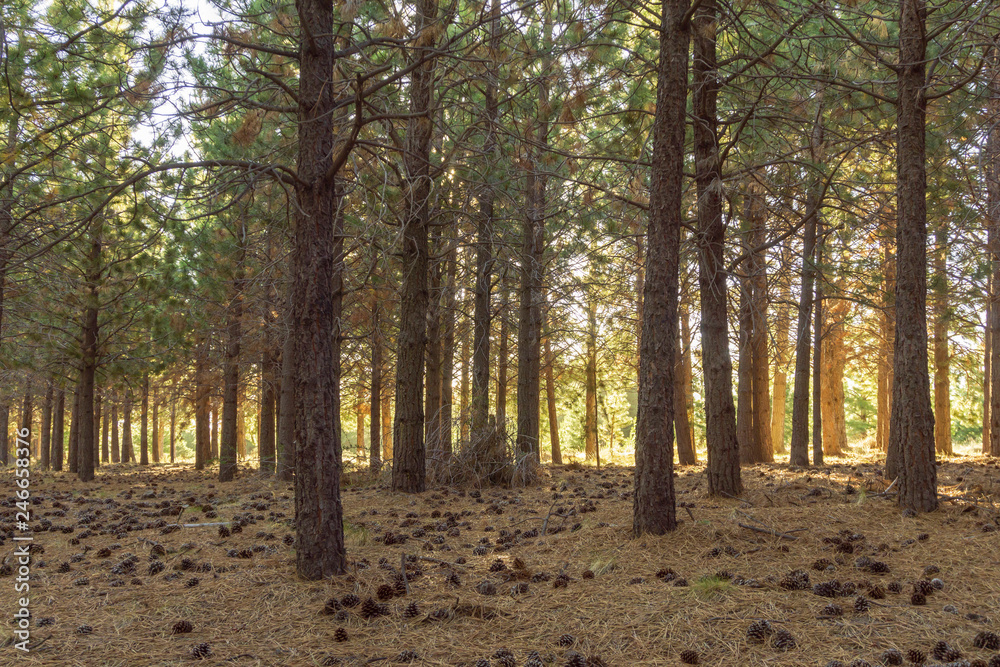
column 215, row 425
column 799, row 445
column 74, row 431
column 144, row 423
column 228, row 449
column 432, row 353
column 448, row 351
column 887, row 334
column 409, row 459
column 942, row 315
column 911, row 431
column 286, row 412
column 115, row 447
column 720, row 413
column 782, row 323
column 464, row 387
column 744, row 376
column 108, row 411
column 128, row 455
column 683, row 397
column 503, row 357
column 46, row 427
column 359, row 431
column 987, row 343
column 590, row 403
column 654, row 509
column 550, row 398
column 375, row 397
column 58, row 429
column 759, row 330
column 202, row 416
column 156, row 428
column 96, row 458
column 386, row 414
column 832, row 375
column 4, row 433
column 173, row 427
column 268, row 380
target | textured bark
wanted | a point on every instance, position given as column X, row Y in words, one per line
column 359, row 430
column 73, row 446
column 819, row 305
column 654, row 509
column 409, row 456
column 173, row 428
column 432, row 361
column 991, row 439
column 503, row 360
column 911, row 430
column 7, row 222
column 58, row 430
column 744, row 378
column 448, row 313
column 268, row 399
column 202, row 433
column 832, row 375
column 4, row 433
column 231, row 366
column 799, row 446
column 386, row 414
column 464, row 385
column 942, row 366
column 46, row 434
column 720, row 413
column 759, row 302
column 156, row 440
column 144, row 423
column 317, row 293
column 128, row 454
column 887, row 334
column 286, row 411
column 115, row 445
column 529, row 322
column 482, row 316
column 684, row 392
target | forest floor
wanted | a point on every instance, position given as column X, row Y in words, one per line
column 484, row 577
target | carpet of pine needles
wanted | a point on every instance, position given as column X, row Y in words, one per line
column 255, row 611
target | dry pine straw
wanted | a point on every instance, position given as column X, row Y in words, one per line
column 259, row 613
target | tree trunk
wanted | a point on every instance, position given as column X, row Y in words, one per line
column 550, row 399
column 782, row 323
column 144, row 423
column 74, row 432
column 911, row 431
column 375, row 397
column 817, row 349
column 503, row 357
column 448, row 352
column 720, row 413
column 799, row 445
column 432, row 354
column 286, row 411
column 96, row 457
column 173, row 427
column 464, row 387
column 128, row 455
column 744, row 375
column 156, row 429
column 269, row 370
column 683, row 392
column 409, row 467
column 887, row 334
column 115, row 446
column 202, row 416
column 834, row 361
column 4, row 433
column 46, row 427
column 215, row 424
column 228, row 448
column 654, row 509
column 590, row 404
column 759, row 302
column 529, row 322
column 105, row 453
column 991, row 439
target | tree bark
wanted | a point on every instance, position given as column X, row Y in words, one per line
column 4, row 433
column 155, row 444
column 228, row 448
column 654, row 509
column 503, row 359
column 759, row 302
column 409, row 458
column 73, row 447
column 550, row 399
column 683, row 391
column 317, row 294
column 590, row 402
column 817, row 349
column 782, row 323
column 834, row 363
column 799, row 446
column 173, row 427
column 432, row 356
column 58, row 429
column 202, row 416
column 115, row 446
column 448, row 314
column 108, row 410
column 375, row 397
column 887, row 334
column 128, row 455
column 991, row 440
column 268, row 379
column 46, row 427
column 911, row 430
column 720, row 413
column 144, row 423
column 286, row 410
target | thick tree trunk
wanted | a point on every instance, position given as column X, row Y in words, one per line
column 46, row 427
column 799, row 446
column 215, row 423
column 654, row 509
column 144, row 423
column 720, row 413
column 911, row 431
column 115, row 446
column 317, row 297
column 409, row 458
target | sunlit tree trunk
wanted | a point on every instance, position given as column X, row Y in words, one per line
column 782, row 323
column 887, row 335
column 942, row 366
column 991, row 439
column 832, row 375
